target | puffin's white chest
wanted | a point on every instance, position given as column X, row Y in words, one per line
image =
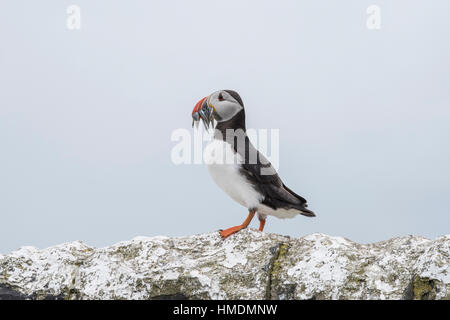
column 223, row 165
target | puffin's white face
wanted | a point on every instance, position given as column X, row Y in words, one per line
column 225, row 106
column 221, row 105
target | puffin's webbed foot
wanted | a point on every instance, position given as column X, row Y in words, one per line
column 228, row 232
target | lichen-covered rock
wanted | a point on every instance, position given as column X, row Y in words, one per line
column 248, row 265
column 323, row 267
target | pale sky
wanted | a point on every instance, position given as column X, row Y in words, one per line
column 86, row 115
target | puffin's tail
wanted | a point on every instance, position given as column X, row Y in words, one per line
column 301, row 204
column 306, row 212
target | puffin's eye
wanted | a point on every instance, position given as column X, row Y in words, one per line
column 221, row 97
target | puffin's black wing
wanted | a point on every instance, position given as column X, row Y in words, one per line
column 265, row 179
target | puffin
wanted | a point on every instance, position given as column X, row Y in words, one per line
column 238, row 168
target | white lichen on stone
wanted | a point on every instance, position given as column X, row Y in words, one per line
column 335, row 268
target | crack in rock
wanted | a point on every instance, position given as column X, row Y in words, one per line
column 278, row 252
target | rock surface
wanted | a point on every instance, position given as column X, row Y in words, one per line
column 248, row 265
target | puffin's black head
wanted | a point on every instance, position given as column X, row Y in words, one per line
column 221, row 105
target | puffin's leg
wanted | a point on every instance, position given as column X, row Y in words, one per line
column 262, row 222
column 228, row 232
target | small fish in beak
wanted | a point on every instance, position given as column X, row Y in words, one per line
column 205, row 114
column 195, row 119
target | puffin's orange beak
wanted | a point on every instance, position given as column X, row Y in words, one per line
column 198, row 106
column 203, row 111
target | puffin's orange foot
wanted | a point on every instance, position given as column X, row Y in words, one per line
column 228, row 232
